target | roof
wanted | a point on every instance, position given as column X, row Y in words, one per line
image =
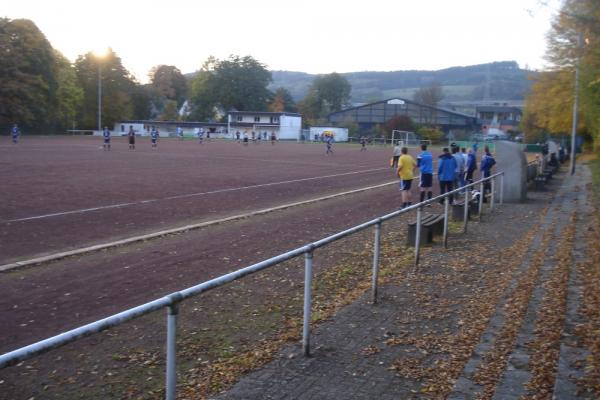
column 497, row 109
column 406, row 101
column 290, row 114
column 182, row 123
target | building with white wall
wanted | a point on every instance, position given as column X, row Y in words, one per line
column 285, row 125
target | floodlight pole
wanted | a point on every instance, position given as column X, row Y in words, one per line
column 575, row 101
column 99, row 96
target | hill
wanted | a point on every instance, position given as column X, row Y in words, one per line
column 498, row 80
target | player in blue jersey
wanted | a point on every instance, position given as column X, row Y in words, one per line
column 15, row 133
column 154, row 137
column 106, row 135
column 425, row 165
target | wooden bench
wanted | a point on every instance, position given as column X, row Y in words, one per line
column 458, row 209
column 431, row 224
column 539, row 182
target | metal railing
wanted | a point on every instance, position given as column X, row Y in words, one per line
column 171, row 301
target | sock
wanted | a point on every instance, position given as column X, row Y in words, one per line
column 429, row 194
column 422, row 196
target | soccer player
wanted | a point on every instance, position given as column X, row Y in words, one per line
column 154, row 137
column 106, row 135
column 406, row 166
column 200, row 133
column 425, row 164
column 15, row 133
column 273, row 138
column 363, row 143
column 131, row 138
column 328, row 144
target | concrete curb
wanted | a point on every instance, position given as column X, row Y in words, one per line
column 134, row 239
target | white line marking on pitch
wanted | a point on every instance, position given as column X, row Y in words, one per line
column 182, row 196
column 84, row 250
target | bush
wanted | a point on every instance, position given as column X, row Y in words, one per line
column 433, row 134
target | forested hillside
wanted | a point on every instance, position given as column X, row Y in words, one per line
column 501, row 80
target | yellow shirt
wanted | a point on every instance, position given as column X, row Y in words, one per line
column 406, row 164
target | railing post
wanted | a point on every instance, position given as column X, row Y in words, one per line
column 480, row 209
column 446, row 207
column 502, row 188
column 418, row 236
column 493, row 190
column 173, row 312
column 466, row 210
column 376, row 246
column 308, row 264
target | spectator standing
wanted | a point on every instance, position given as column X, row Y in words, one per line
column 471, row 165
column 463, row 153
column 396, row 155
column 425, row 165
column 106, row 135
column 446, row 172
column 131, row 138
column 406, row 167
column 487, row 162
column 460, row 167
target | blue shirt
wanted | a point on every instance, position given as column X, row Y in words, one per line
column 425, row 162
column 154, row 134
column 15, row 131
column 487, row 162
column 106, row 133
column 446, row 168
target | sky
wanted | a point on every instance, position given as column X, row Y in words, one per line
column 314, row 36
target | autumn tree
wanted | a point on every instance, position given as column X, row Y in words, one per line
column 28, row 75
column 169, row 82
column 282, row 101
column 574, row 40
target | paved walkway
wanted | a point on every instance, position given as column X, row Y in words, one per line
column 460, row 327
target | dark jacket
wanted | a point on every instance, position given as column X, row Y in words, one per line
column 471, row 162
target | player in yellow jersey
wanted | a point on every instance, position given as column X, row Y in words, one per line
column 406, row 167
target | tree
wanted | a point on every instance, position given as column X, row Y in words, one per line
column 69, row 94
column 548, row 107
column 282, row 101
column 238, row 83
column 203, row 101
column 327, row 94
column 169, row 82
column 170, row 112
column 28, row 75
column 117, row 88
column 430, row 133
column 400, row 123
column 429, row 95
